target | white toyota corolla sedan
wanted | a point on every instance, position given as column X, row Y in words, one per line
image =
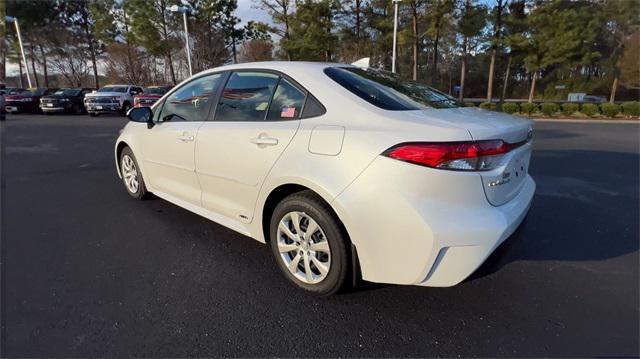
column 345, row 171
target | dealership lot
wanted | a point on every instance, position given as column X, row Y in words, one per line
column 89, row 272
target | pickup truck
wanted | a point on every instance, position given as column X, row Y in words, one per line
column 111, row 99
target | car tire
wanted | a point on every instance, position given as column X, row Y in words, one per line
column 327, row 248
column 93, row 114
column 125, row 108
column 77, row 109
column 131, row 175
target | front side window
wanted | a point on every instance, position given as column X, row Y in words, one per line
column 191, row 101
column 287, row 102
column 246, row 97
column 387, row 91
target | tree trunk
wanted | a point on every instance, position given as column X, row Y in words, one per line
column 434, row 67
column 614, row 88
column 165, row 34
column 463, row 67
column 533, row 86
column 450, row 78
column 33, row 64
column 494, row 48
column 3, row 57
column 92, row 53
column 20, row 68
column 235, row 55
column 44, row 66
column 506, row 79
column 358, row 4
column 414, row 16
column 491, row 70
column 285, row 11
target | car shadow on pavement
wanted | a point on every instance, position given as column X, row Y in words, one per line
column 585, row 209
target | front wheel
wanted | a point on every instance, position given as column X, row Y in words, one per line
column 125, row 108
column 131, row 175
column 310, row 244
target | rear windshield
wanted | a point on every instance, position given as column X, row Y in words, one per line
column 113, row 89
column 387, row 91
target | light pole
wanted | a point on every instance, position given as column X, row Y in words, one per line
column 395, row 35
column 184, row 10
column 14, row 20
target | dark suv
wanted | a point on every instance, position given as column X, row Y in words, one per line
column 65, row 100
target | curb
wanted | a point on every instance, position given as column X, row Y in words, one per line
column 567, row 120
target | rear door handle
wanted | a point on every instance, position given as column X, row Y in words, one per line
column 263, row 140
column 186, row 137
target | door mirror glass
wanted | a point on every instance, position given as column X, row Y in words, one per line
column 140, row 114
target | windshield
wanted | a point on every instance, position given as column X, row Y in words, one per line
column 155, row 90
column 387, row 91
column 113, row 89
column 67, row 92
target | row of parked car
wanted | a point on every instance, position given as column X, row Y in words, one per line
column 108, row 99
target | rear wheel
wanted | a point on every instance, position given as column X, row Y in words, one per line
column 77, row 109
column 93, row 114
column 309, row 244
column 131, row 175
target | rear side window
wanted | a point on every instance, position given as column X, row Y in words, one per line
column 246, row 97
column 312, row 107
column 287, row 102
column 387, row 91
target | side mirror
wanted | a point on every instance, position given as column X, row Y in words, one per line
column 141, row 114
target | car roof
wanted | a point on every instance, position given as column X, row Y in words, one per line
column 283, row 66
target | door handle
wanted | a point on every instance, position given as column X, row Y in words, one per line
column 263, row 140
column 186, row 137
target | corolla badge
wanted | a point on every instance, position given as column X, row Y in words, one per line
column 529, row 134
column 506, row 177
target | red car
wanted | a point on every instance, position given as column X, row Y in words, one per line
column 26, row 101
column 150, row 95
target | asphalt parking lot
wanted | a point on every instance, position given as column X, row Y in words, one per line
column 86, row 271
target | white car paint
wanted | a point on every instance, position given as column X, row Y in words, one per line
column 409, row 224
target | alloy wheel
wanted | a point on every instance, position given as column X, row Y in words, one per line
column 303, row 247
column 130, row 174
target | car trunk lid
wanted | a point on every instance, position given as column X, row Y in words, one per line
column 504, row 182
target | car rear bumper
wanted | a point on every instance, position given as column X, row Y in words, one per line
column 426, row 226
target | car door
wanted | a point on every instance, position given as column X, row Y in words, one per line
column 255, row 118
column 169, row 145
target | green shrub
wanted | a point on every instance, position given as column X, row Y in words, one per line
column 469, row 104
column 631, row 108
column 510, row 107
column 610, row 109
column 488, row 106
column 528, row 108
column 549, row 108
column 589, row 109
column 569, row 109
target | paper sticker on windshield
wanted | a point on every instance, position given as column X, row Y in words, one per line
column 288, row 112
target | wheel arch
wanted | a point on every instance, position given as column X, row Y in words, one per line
column 118, row 151
column 277, row 194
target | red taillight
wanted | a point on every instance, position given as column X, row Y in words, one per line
column 474, row 155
